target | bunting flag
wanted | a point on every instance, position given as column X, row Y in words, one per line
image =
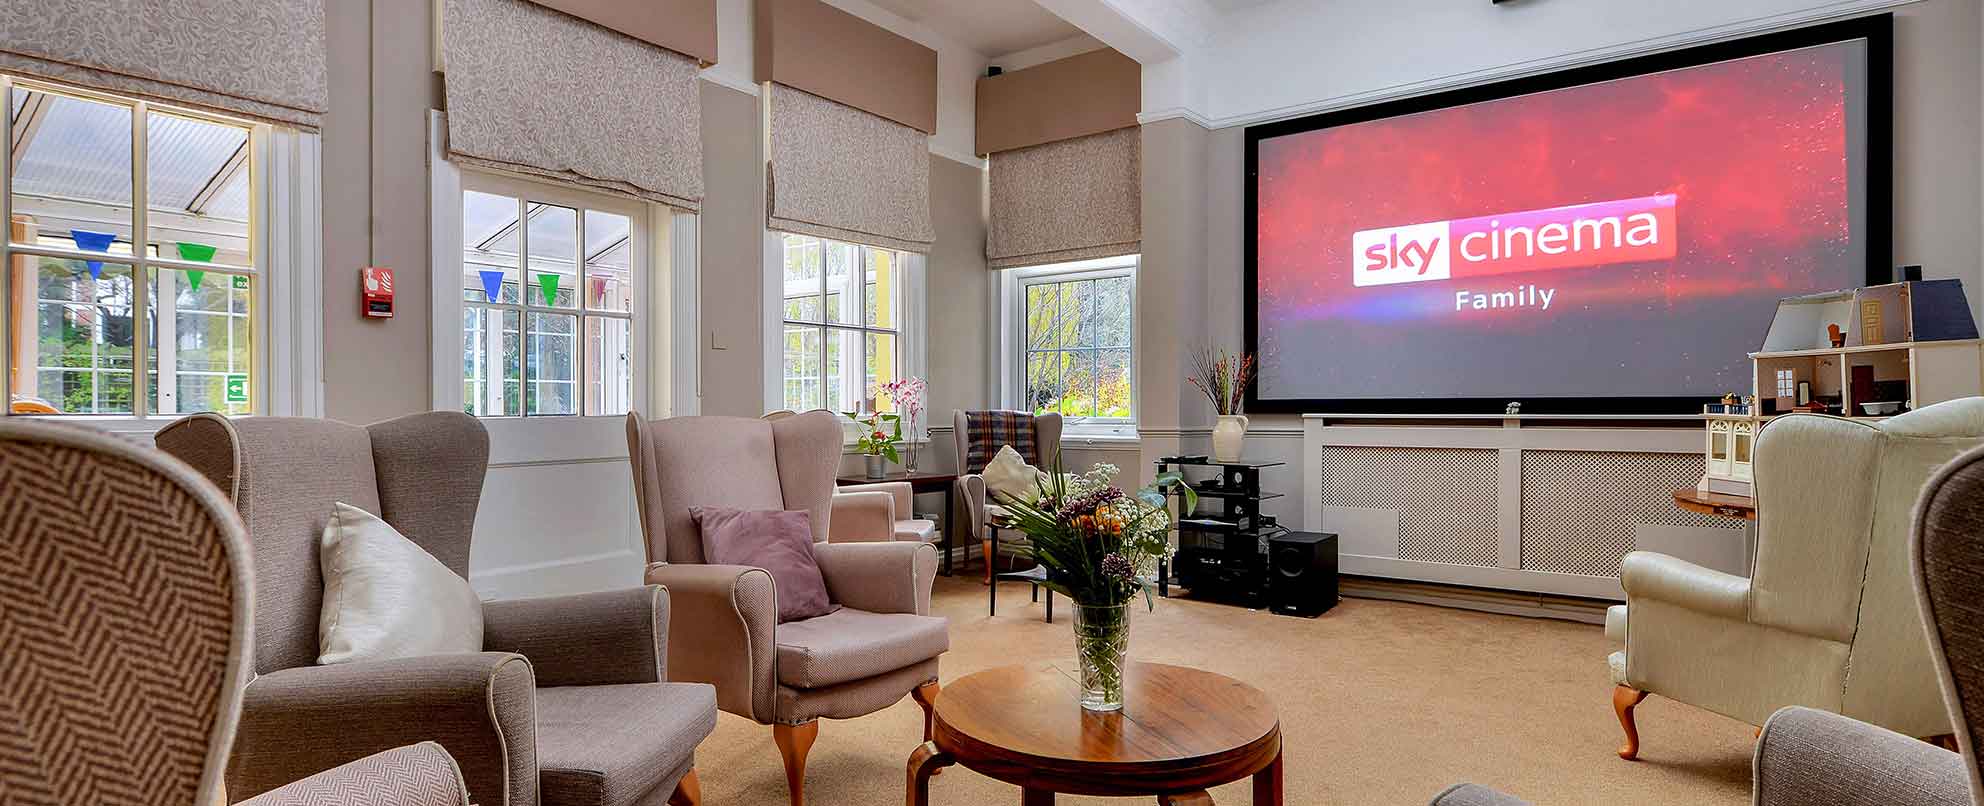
column 193, row 278
column 196, row 251
column 548, row 283
column 93, row 242
column 492, row 283
column 598, row 291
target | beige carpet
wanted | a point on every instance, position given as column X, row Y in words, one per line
column 1382, row 703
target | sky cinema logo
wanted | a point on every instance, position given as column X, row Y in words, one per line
column 1575, row 236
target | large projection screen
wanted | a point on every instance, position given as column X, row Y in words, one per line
column 1609, row 239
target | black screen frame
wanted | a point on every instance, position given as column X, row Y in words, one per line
column 1877, row 30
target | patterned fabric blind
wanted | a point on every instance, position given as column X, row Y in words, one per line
column 838, row 172
column 1072, row 199
column 261, row 59
column 540, row 92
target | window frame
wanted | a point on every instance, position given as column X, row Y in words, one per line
column 284, row 234
column 1013, row 350
column 900, row 264
column 640, row 265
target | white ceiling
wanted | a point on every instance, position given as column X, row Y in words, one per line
column 991, row 27
column 1230, row 6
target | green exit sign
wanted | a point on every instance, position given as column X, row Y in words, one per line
column 237, row 388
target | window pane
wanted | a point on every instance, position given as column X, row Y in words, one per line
column 1114, row 310
column 200, row 351
column 553, row 246
column 1068, row 317
column 881, row 369
column 804, row 258
column 1113, row 384
column 72, row 177
column 844, row 297
column 802, row 368
column 609, row 253
column 551, row 369
column 1043, row 381
column 492, row 364
column 489, row 248
column 843, row 376
column 1078, row 383
column 1042, row 301
column 189, row 163
column 609, row 368
column 73, row 346
column 883, row 275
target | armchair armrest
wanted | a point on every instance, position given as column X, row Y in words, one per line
column 1678, row 582
column 416, row 775
column 903, row 492
column 1806, row 757
column 879, row 577
column 301, row 721
column 971, row 488
column 591, row 639
column 721, row 622
column 860, row 517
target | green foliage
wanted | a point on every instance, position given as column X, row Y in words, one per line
column 874, row 441
column 1099, row 545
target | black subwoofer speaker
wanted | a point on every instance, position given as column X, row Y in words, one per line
column 1302, row 573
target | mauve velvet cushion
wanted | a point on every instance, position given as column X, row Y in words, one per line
column 780, row 542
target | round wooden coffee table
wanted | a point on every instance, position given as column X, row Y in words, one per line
column 1181, row 732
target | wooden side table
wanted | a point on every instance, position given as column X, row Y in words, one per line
column 1181, row 731
column 919, row 483
column 1742, row 507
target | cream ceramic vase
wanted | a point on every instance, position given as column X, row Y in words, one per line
column 1228, row 437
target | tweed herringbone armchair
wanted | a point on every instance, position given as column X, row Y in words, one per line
column 128, row 624
column 567, row 705
column 881, row 645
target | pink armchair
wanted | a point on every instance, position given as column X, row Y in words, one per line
column 881, row 645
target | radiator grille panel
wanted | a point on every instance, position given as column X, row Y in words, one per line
column 1579, row 507
column 1445, row 497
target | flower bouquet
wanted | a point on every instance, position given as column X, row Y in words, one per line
column 1100, row 547
column 907, row 393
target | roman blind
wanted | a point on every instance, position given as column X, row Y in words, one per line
column 1071, row 199
column 541, row 92
column 838, row 172
column 261, row 59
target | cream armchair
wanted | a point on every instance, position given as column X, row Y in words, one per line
column 1830, row 592
column 979, row 435
column 881, row 645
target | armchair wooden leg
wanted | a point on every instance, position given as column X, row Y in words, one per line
column 926, row 696
column 1199, row 798
column 1624, row 698
column 794, row 741
column 688, row 791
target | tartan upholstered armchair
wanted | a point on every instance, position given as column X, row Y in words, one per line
column 133, row 636
column 980, row 435
column 567, row 705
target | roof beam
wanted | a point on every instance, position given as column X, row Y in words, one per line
column 222, row 175
column 1150, row 32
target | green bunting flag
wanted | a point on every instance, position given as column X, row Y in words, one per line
column 193, row 278
column 548, row 283
column 203, row 253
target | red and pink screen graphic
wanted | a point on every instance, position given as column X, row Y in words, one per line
column 1619, row 239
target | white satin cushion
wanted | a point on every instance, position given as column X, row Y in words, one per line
column 385, row 597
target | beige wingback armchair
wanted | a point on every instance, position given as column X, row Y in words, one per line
column 567, row 705
column 1828, row 618
column 881, row 645
column 979, row 436
column 133, row 556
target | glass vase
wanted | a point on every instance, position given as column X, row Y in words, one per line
column 1102, row 645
